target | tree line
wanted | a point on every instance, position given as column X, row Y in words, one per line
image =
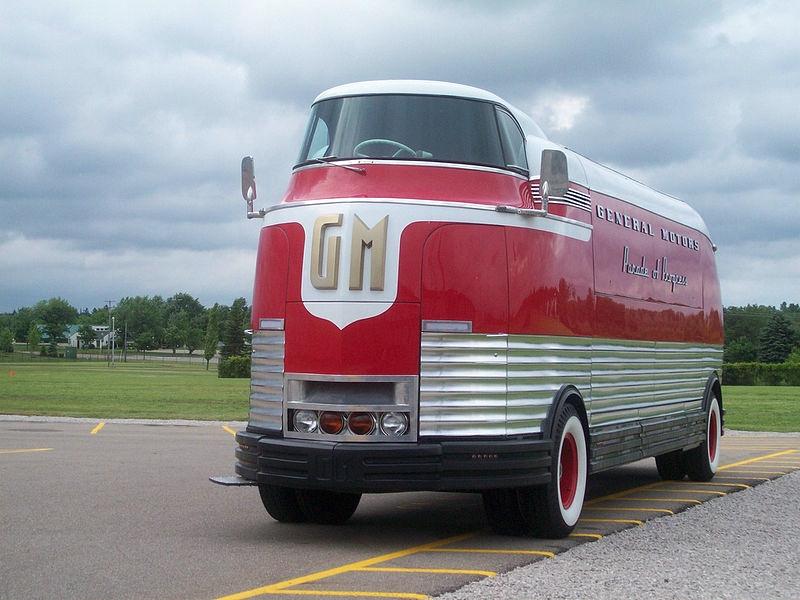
column 763, row 334
column 139, row 322
column 753, row 333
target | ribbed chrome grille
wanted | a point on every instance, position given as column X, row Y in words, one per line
column 266, row 380
column 464, row 390
column 635, row 380
column 462, row 384
column 537, row 368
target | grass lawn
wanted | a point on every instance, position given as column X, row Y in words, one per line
column 762, row 408
column 173, row 390
column 141, row 389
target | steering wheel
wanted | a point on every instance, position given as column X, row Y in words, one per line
column 360, row 149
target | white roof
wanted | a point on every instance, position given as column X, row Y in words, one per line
column 430, row 88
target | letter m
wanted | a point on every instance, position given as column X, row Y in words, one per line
column 375, row 240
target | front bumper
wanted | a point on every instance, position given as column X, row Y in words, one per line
column 439, row 465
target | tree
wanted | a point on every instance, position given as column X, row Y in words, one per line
column 86, row 336
column 194, row 339
column 55, row 314
column 145, row 341
column 142, row 314
column 777, row 339
column 34, row 337
column 211, row 340
column 6, row 340
column 173, row 337
column 740, row 350
column 234, row 339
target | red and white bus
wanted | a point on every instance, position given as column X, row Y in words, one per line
column 447, row 300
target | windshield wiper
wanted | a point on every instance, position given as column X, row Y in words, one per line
column 329, row 160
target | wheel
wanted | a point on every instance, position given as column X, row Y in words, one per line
column 553, row 510
column 398, row 148
column 701, row 463
column 327, row 508
column 504, row 513
column 671, row 465
column 281, row 503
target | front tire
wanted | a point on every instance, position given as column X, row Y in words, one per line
column 701, row 463
column 557, row 506
column 671, row 466
column 327, row 508
column 281, row 503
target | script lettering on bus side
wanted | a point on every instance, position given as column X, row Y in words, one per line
column 659, row 272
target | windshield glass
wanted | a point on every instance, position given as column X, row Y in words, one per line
column 408, row 127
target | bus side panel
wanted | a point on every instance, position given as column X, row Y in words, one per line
column 272, row 267
column 463, row 372
column 653, row 352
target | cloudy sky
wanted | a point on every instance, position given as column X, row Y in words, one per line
column 122, row 124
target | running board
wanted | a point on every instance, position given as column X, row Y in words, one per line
column 232, row 480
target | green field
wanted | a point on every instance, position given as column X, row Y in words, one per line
column 174, row 390
column 142, row 389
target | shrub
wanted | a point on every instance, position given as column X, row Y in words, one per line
column 234, row 367
column 756, row 373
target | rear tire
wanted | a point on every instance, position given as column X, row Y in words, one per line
column 701, row 463
column 281, row 503
column 327, row 508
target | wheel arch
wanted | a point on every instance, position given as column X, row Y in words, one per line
column 714, row 388
column 567, row 394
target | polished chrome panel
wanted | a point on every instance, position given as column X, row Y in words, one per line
column 462, row 384
column 266, row 380
column 475, row 384
column 538, row 366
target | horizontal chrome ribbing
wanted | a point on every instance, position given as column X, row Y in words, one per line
column 464, row 390
column 266, row 380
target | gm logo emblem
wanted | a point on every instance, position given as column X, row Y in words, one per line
column 326, row 249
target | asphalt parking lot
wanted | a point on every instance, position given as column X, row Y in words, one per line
column 125, row 510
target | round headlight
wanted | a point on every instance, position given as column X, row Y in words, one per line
column 394, row 423
column 305, row 421
column 361, row 423
column 331, row 422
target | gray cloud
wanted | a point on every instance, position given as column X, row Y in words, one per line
column 122, row 124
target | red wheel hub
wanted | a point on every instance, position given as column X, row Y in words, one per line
column 568, row 470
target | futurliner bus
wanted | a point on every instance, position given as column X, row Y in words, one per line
column 446, row 300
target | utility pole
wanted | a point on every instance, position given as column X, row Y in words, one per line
column 110, row 355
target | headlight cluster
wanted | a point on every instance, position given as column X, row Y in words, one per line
column 353, row 423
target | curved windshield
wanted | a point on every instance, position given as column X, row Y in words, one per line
column 408, row 127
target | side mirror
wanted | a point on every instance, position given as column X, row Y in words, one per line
column 248, row 180
column 554, row 178
column 249, row 186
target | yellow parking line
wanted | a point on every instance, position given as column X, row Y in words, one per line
column 493, row 551
column 21, row 450
column 756, row 459
column 98, row 428
column 631, row 521
column 282, row 587
column 666, row 511
column 689, row 500
column 229, row 430
column 694, row 491
column 421, row 570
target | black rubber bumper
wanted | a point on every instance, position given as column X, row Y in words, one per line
column 379, row 467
